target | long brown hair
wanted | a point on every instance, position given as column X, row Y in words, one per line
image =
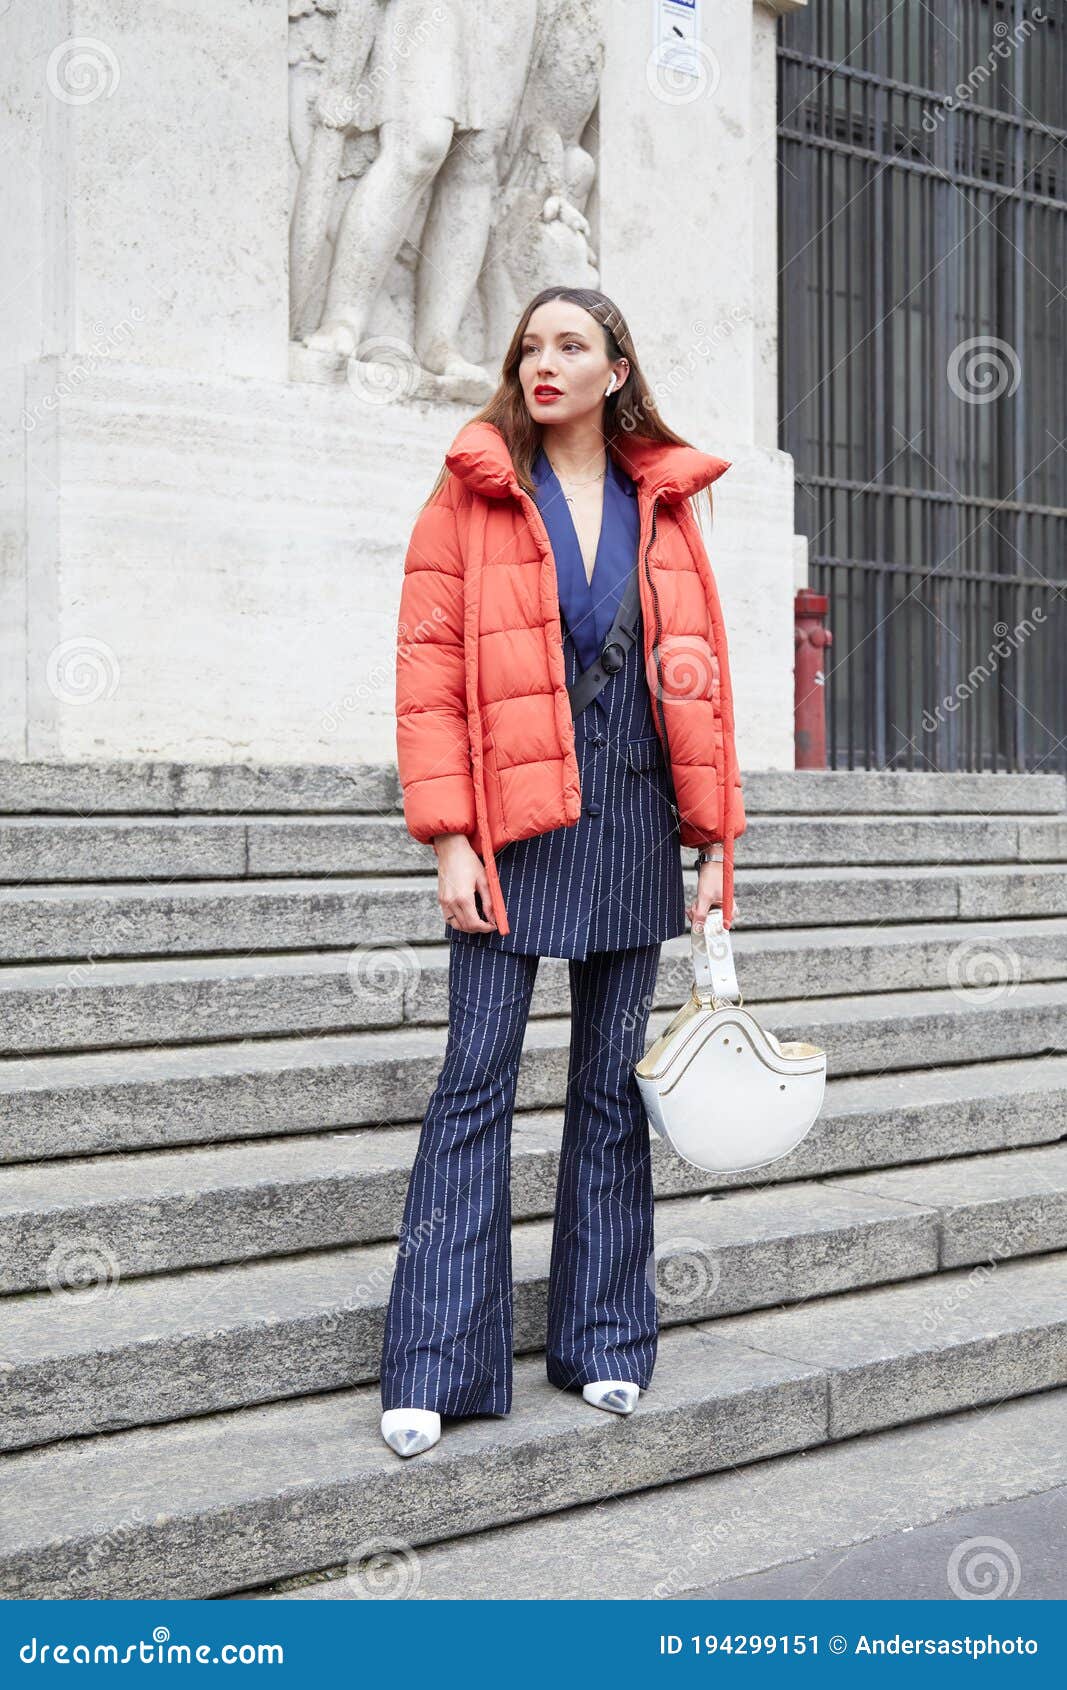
column 630, row 410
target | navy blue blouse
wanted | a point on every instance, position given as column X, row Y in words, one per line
column 612, row 879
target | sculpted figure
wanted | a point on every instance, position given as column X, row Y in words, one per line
column 438, row 82
column 541, row 237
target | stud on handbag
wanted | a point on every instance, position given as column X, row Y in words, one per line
column 721, row 1089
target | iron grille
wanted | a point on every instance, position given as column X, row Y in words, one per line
column 922, row 163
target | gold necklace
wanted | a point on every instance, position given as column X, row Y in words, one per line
column 569, row 483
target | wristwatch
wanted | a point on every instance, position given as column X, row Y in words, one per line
column 708, row 854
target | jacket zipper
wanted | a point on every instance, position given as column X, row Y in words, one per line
column 659, row 671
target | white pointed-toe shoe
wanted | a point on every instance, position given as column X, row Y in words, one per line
column 410, row 1430
column 617, row 1394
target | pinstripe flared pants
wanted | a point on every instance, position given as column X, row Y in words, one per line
column 449, row 1327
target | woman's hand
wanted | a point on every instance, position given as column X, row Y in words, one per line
column 709, row 894
column 461, row 874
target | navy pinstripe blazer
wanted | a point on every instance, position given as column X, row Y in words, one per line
column 614, row 878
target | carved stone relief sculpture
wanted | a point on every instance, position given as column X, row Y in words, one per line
column 441, row 171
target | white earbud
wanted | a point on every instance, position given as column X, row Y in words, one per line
column 611, row 385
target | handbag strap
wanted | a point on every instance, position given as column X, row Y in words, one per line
column 714, row 975
column 620, row 637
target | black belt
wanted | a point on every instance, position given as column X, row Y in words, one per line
column 621, row 636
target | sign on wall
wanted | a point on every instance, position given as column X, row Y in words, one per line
column 677, row 35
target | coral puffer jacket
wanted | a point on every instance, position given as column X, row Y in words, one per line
column 485, row 734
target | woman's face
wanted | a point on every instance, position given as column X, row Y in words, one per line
column 563, row 366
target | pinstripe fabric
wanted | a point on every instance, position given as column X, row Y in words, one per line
column 448, row 1337
column 614, row 879
column 604, row 893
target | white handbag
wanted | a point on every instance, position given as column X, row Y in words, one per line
column 721, row 1089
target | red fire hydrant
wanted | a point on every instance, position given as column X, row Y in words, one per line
column 811, row 639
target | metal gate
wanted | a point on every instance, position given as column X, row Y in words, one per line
column 922, row 165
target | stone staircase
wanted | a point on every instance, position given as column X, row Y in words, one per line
column 223, row 999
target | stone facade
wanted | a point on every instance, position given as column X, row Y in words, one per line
column 204, row 495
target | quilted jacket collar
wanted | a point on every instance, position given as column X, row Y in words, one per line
column 480, row 457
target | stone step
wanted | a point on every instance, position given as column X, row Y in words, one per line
column 149, row 1097
column 138, row 848
column 837, row 792
column 858, row 840
column 75, row 922
column 56, row 1006
column 161, row 788
column 784, row 898
column 789, row 1512
column 224, row 1502
column 133, row 787
column 127, row 1352
column 164, row 1210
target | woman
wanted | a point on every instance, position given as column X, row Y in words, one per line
column 556, row 771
